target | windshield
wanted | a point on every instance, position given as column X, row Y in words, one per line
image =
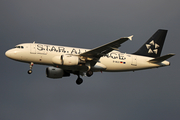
column 19, row 47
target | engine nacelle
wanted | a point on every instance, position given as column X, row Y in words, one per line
column 68, row 60
column 53, row 72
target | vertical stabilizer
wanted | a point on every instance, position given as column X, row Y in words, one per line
column 153, row 47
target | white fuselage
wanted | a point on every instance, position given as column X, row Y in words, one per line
column 114, row 61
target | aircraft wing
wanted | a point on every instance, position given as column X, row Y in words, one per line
column 104, row 49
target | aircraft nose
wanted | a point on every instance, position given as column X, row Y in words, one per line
column 9, row 53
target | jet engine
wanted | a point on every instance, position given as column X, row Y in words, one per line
column 68, row 60
column 53, row 72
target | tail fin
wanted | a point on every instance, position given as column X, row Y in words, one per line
column 153, row 47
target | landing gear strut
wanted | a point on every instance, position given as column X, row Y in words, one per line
column 79, row 80
column 30, row 70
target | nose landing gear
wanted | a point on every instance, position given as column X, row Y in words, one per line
column 30, row 70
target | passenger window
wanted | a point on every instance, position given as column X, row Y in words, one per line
column 22, row 47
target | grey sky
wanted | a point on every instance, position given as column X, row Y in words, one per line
column 149, row 94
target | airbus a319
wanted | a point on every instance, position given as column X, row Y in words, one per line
column 64, row 61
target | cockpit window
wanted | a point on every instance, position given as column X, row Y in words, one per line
column 19, row 47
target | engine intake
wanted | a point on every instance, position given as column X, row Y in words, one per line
column 53, row 72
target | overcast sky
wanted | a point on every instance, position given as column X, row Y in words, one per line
column 141, row 95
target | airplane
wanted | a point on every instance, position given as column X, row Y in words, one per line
column 63, row 61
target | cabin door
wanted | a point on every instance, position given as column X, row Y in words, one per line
column 134, row 61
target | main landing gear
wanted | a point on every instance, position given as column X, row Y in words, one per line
column 89, row 73
column 80, row 80
column 30, row 70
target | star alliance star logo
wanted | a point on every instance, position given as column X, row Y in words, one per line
column 152, row 47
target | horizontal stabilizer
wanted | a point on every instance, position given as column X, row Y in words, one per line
column 162, row 58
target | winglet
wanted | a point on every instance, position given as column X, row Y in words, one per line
column 130, row 37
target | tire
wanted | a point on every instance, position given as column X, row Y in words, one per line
column 79, row 81
column 29, row 71
column 89, row 73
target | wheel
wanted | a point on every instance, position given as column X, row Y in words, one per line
column 29, row 71
column 79, row 81
column 89, row 73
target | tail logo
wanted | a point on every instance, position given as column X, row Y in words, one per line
column 152, row 47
